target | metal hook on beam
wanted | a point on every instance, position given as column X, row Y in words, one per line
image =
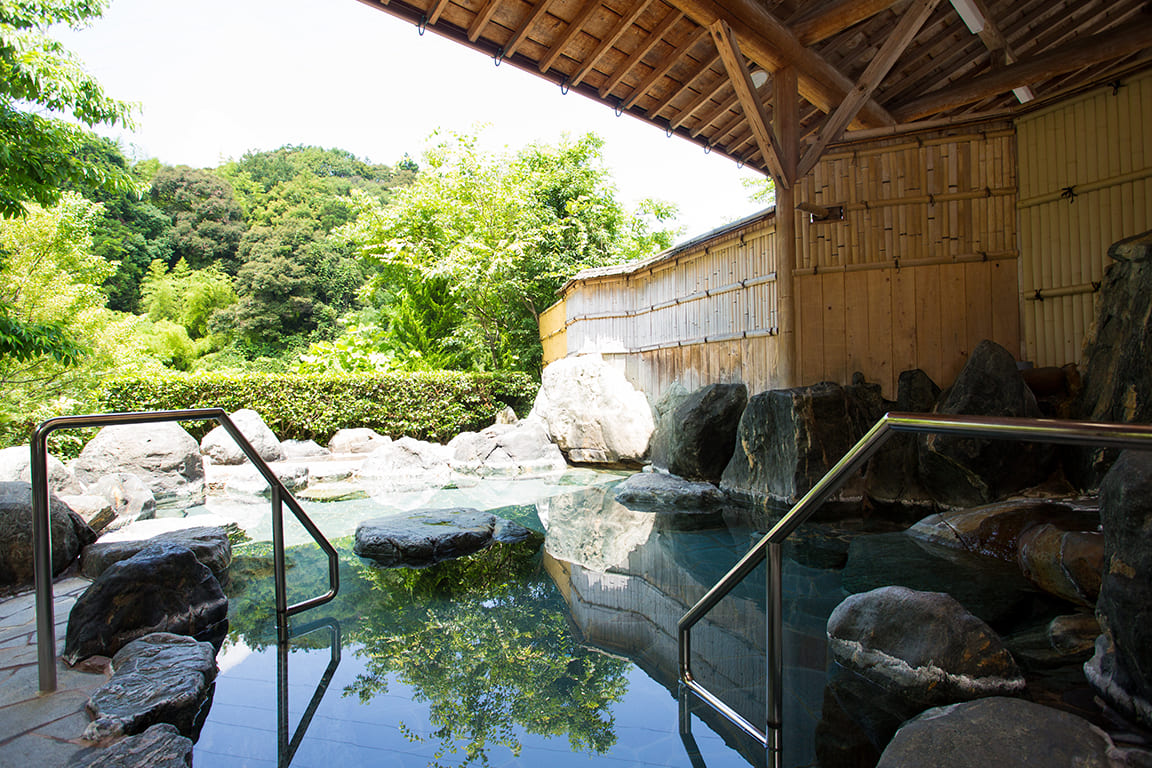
column 422, row 24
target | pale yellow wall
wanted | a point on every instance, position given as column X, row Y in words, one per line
column 1100, row 146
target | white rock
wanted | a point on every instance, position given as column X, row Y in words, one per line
column 405, row 465
column 130, row 499
column 303, row 449
column 221, row 448
column 163, row 455
column 360, row 440
column 16, row 465
column 592, row 412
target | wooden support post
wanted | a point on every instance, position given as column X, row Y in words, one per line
column 786, row 115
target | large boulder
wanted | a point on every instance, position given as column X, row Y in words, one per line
column 221, row 448
column 405, row 465
column 159, row 678
column 1121, row 670
column 303, row 449
column 16, row 465
column 161, row 746
column 789, row 438
column 695, row 439
column 425, row 537
column 1069, row 564
column 1117, row 375
column 209, row 544
column 900, row 651
column 1001, row 732
column 967, row 471
column 129, row 497
column 505, row 450
column 69, row 534
column 592, row 412
column 357, row 440
column 163, row 455
column 162, row 588
column 892, row 476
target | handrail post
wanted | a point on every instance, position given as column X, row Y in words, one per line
column 42, row 564
column 278, row 565
column 774, row 688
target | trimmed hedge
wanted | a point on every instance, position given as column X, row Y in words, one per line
column 428, row 405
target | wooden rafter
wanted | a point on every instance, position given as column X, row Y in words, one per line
column 910, row 22
column 649, row 43
column 746, row 93
column 768, row 42
column 711, row 117
column 573, row 28
column 481, row 20
column 622, row 26
column 434, row 14
column 701, row 69
column 706, row 95
column 834, row 18
column 1083, row 53
column 663, row 67
column 521, row 34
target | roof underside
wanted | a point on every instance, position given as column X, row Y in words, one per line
column 693, row 67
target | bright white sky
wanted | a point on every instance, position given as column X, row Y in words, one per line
column 216, row 78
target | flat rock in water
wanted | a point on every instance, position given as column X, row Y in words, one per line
column 662, row 492
column 427, row 536
column 209, row 544
column 1001, row 732
column 161, row 746
column 159, row 678
column 162, row 588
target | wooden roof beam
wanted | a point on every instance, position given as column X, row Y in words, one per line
column 910, row 23
column 701, row 69
column 663, row 67
column 481, row 20
column 522, row 33
column 769, row 43
column 649, row 43
column 753, row 108
column 577, row 24
column 834, row 18
column 622, row 26
column 714, row 115
column 1082, row 53
column 434, row 14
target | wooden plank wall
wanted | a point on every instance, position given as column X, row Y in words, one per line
column 1085, row 182
column 554, row 332
column 923, row 266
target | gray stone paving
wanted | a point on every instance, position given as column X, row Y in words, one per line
column 41, row 729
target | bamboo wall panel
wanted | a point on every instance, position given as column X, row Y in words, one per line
column 914, row 276
column 554, row 332
column 1085, row 182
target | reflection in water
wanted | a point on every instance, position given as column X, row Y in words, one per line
column 287, row 745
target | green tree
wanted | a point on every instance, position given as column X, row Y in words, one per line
column 206, row 221
column 186, row 296
column 505, row 232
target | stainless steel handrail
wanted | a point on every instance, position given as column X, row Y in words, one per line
column 42, row 528
column 769, row 547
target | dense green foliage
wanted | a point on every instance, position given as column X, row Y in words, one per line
column 501, row 233
column 432, row 405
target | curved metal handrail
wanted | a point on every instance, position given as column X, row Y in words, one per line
column 42, row 529
column 1035, row 430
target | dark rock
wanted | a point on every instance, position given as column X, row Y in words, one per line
column 159, row 678
column 789, row 438
column 69, row 534
column 892, row 475
column 1056, row 389
column 993, row 590
column 1074, row 634
column 163, row 455
column 661, row 492
column 1069, row 564
column 1121, row 670
column 162, row 588
column 964, row 471
column 996, row 529
column 161, row 746
column 424, row 537
column 695, row 439
column 1001, row 732
column 209, row 544
column 901, row 651
column 1117, row 359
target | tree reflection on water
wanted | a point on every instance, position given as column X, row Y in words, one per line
column 485, row 641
